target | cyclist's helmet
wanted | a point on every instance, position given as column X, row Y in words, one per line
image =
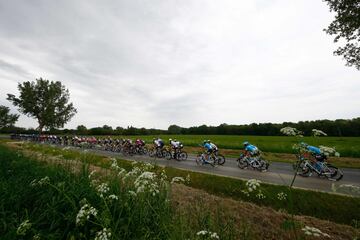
column 245, row 143
column 204, row 141
column 208, row 141
column 170, row 139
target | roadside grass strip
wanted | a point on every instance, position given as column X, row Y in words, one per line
column 40, row 200
column 332, row 207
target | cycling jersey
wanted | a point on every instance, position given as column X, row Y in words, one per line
column 253, row 150
column 213, row 146
column 208, row 146
column 159, row 143
column 314, row 150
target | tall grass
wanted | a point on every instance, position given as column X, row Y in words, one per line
column 336, row 208
column 39, row 200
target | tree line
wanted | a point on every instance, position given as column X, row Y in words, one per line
column 339, row 127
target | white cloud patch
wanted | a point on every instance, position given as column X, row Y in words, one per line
column 156, row 63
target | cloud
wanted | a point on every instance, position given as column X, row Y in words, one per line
column 156, row 63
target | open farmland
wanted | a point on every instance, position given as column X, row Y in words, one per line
column 347, row 146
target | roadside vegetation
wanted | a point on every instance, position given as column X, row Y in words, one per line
column 61, row 194
column 333, row 207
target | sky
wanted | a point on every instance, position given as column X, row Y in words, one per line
column 155, row 63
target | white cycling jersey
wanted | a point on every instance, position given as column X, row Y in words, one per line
column 175, row 144
column 214, row 146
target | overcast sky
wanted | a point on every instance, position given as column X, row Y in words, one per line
column 161, row 62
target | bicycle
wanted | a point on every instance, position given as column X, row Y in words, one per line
column 323, row 169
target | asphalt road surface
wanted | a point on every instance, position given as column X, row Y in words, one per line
column 278, row 173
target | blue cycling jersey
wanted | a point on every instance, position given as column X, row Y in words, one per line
column 207, row 146
column 313, row 149
column 251, row 148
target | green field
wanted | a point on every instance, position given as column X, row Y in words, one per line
column 347, row 146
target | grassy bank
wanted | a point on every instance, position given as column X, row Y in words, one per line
column 336, row 208
column 63, row 200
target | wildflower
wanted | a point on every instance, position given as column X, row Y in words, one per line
column 85, row 213
column 113, row 197
column 312, row 231
column 317, row 133
column 177, row 180
column 104, row 234
column 41, row 182
column 23, row 228
column 212, row 235
column 92, row 174
column 252, row 184
column 329, row 151
column 132, row 193
column 146, row 182
column 281, row 196
column 260, row 195
column 102, row 189
column 289, row 131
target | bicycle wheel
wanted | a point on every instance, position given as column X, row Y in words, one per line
column 152, row 152
column 181, row 156
column 220, row 159
column 304, row 170
column 167, row 155
column 242, row 163
column 198, row 159
column 264, row 165
column 332, row 172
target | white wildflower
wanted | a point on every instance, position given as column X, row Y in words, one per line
column 104, row 234
column 281, row 196
column 92, row 174
column 260, row 195
column 211, row 235
column 102, row 189
column 41, row 182
column 146, row 182
column 290, row 131
column 317, row 133
column 36, row 237
column 329, row 151
column 113, row 197
column 85, row 213
column 132, row 193
column 252, row 184
column 312, row 231
column 23, row 228
column 178, row 180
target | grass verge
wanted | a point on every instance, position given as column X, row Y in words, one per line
column 332, row 207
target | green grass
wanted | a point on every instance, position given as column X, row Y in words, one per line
column 336, row 208
column 347, row 146
column 52, row 207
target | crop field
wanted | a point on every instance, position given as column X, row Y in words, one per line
column 346, row 146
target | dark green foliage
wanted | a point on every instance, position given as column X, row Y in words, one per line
column 46, row 101
column 7, row 119
column 346, row 27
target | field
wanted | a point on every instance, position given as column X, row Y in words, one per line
column 347, row 146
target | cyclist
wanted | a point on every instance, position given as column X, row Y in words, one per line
column 250, row 149
column 159, row 143
column 208, row 149
column 318, row 155
column 214, row 147
column 175, row 145
column 139, row 142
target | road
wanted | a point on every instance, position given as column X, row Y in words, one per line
column 278, row 173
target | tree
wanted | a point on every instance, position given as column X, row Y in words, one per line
column 174, row 129
column 81, row 129
column 47, row 101
column 346, row 26
column 7, row 119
